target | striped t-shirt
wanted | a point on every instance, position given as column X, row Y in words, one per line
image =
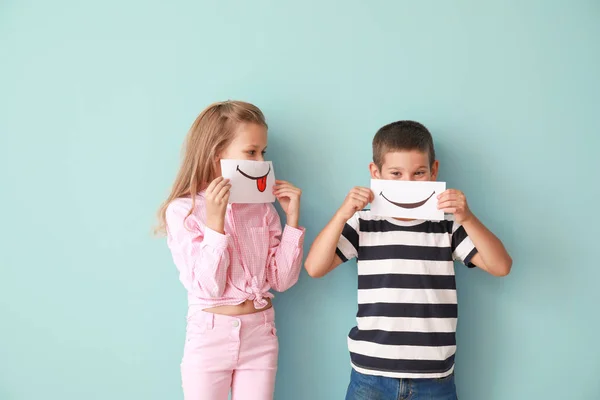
column 407, row 304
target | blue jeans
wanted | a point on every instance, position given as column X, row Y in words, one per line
column 369, row 387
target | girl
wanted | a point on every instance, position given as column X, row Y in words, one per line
column 228, row 257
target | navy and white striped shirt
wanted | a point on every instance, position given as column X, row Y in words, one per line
column 407, row 303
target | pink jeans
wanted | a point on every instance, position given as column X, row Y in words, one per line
column 223, row 353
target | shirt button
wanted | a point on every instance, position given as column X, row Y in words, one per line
column 236, row 324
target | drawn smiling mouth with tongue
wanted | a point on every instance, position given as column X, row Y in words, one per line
column 261, row 181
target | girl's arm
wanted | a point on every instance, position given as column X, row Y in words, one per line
column 284, row 260
column 200, row 253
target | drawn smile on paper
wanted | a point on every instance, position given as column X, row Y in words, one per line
column 408, row 205
column 261, row 181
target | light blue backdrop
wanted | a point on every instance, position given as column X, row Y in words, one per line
column 96, row 97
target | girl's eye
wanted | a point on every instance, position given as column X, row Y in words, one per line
column 264, row 152
column 251, row 152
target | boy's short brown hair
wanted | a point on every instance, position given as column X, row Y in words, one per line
column 399, row 136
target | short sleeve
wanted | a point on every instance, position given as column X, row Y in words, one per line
column 347, row 247
column 463, row 248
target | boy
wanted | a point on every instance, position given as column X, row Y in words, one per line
column 404, row 342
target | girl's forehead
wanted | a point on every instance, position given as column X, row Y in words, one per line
column 253, row 134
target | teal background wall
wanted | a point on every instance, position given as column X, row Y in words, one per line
column 96, row 97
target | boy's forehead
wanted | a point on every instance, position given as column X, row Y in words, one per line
column 405, row 158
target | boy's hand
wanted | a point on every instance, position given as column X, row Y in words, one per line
column 453, row 201
column 289, row 197
column 217, row 197
column 355, row 201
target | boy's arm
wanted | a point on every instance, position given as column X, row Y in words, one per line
column 491, row 255
column 322, row 257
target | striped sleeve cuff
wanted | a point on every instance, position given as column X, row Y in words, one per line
column 469, row 258
column 340, row 255
column 347, row 247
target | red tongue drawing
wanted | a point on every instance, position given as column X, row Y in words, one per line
column 261, row 183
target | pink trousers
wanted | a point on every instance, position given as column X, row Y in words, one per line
column 223, row 353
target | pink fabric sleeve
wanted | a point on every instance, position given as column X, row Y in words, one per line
column 285, row 253
column 200, row 254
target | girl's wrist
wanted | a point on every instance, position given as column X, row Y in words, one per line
column 292, row 220
column 216, row 224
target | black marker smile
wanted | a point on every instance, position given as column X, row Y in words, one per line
column 408, row 205
column 261, row 181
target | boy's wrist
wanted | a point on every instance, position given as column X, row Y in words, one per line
column 339, row 218
column 468, row 220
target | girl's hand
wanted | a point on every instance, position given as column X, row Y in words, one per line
column 356, row 200
column 217, row 196
column 289, row 197
column 453, row 201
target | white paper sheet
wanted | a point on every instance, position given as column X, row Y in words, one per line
column 406, row 199
column 251, row 181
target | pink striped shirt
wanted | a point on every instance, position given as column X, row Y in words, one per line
column 252, row 257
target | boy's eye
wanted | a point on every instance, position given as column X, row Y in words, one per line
column 251, row 152
column 396, row 173
column 420, row 173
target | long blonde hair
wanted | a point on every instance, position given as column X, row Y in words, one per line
column 210, row 134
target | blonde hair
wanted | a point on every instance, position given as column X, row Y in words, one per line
column 210, row 134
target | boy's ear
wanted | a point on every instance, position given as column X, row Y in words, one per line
column 375, row 174
column 434, row 170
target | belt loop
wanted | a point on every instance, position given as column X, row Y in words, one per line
column 210, row 321
column 266, row 318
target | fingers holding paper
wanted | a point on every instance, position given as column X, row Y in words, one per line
column 454, row 202
column 217, row 197
column 288, row 196
column 356, row 200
